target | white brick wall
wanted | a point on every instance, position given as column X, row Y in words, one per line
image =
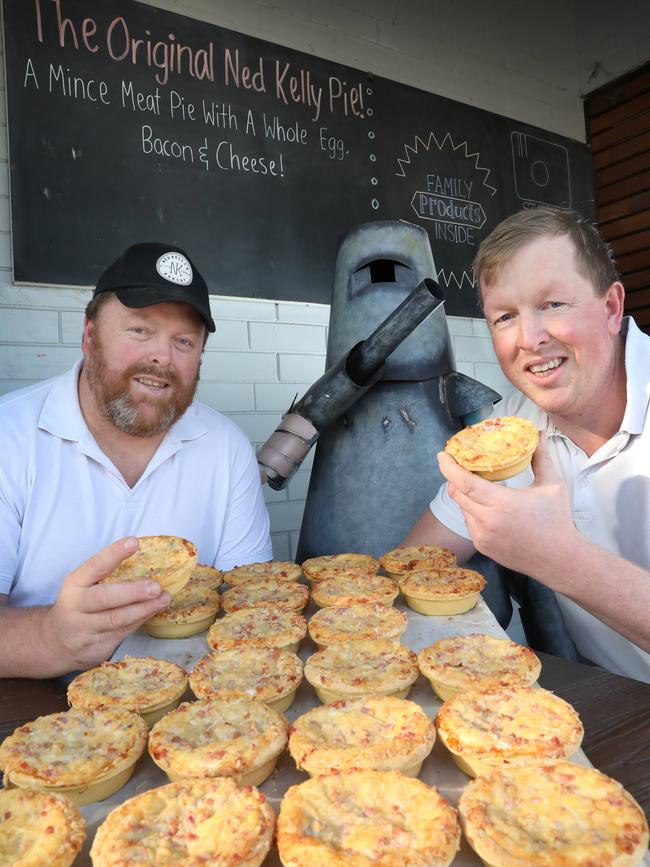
column 525, row 61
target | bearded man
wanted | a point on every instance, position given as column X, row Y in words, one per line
column 113, row 449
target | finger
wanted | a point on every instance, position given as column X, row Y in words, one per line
column 104, row 562
column 125, row 619
column 470, row 485
column 543, row 467
column 105, row 597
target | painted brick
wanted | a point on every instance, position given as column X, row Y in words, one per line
column 385, row 10
column 271, row 496
column 492, row 375
column 266, row 337
column 480, row 328
column 310, row 314
column 258, row 427
column 35, row 362
column 473, row 349
column 269, row 397
column 242, row 15
column 459, row 325
column 227, row 396
column 72, row 324
column 336, row 16
column 281, row 546
column 286, row 516
column 227, row 308
column 7, row 385
column 29, row 326
column 4, row 177
column 5, row 250
column 427, row 75
column 467, row 368
column 240, row 366
column 301, row 368
column 229, row 335
column 5, row 212
column 295, row 538
column 41, row 296
column 309, row 36
column 366, row 56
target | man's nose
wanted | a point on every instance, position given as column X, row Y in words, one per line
column 160, row 351
column 532, row 332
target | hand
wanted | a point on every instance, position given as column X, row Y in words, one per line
column 530, row 530
column 88, row 620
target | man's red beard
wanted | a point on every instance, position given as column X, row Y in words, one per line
column 139, row 417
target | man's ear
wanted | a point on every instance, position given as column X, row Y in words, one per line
column 88, row 333
column 615, row 306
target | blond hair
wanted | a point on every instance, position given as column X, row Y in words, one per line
column 593, row 256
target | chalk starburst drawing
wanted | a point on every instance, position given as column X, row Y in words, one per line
column 431, row 142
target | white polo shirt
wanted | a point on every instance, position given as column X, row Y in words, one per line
column 610, row 495
column 62, row 499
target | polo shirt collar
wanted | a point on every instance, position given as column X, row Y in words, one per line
column 61, row 414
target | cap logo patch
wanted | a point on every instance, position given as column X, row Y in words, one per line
column 175, row 268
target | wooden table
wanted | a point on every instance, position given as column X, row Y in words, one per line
column 615, row 712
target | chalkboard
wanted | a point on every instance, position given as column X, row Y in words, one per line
column 128, row 123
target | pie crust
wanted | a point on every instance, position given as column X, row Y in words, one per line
column 146, row 686
column 258, row 627
column 202, row 574
column 238, row 738
column 366, row 819
column 280, row 570
column 333, row 565
column 553, row 815
column 380, row 732
column 192, row 610
column 38, row 828
column 281, row 595
column 362, row 668
column 497, row 448
column 355, row 590
column 476, row 661
column 452, row 591
column 191, row 823
column 169, row 560
column 493, row 728
column 85, row 753
column 264, row 674
column 413, row 558
column 339, row 623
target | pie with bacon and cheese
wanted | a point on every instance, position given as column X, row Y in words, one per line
column 497, row 448
column 39, row 828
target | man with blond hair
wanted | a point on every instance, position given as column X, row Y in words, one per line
column 578, row 520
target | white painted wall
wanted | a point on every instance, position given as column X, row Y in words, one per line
column 527, row 61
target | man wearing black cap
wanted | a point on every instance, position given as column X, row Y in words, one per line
column 113, row 449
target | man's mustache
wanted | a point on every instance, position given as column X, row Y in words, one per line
column 167, row 373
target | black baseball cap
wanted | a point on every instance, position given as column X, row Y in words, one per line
column 147, row 274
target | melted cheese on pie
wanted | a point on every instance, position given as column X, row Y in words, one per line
column 450, row 583
column 363, row 667
column 356, row 623
column 207, row 575
column 159, row 558
column 556, row 815
column 132, row 683
column 412, row 558
column 380, row 732
column 264, row 674
column 367, row 818
column 257, row 627
column 355, row 590
column 285, row 595
column 333, row 565
column 511, row 723
column 217, row 738
column 38, row 829
column 191, row 823
column 493, row 444
column 281, row 570
column 194, row 602
column 74, row 747
column 479, row 662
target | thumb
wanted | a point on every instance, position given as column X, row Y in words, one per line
column 543, row 467
column 104, row 562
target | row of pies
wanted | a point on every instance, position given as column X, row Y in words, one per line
column 429, row 578
column 362, row 805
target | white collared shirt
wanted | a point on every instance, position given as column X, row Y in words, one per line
column 62, row 499
column 610, row 496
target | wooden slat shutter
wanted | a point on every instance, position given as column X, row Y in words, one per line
column 618, row 126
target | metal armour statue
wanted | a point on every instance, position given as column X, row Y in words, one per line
column 389, row 400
